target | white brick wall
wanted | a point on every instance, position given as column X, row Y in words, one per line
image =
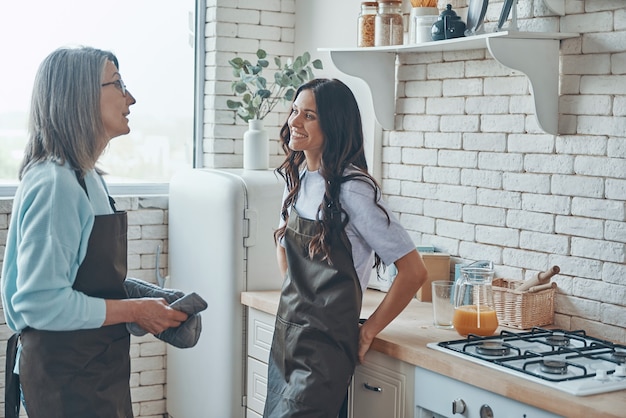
column 240, row 28
column 493, row 186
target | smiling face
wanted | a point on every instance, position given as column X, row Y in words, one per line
column 305, row 131
column 114, row 105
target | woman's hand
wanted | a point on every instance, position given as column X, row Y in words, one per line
column 411, row 275
column 365, row 341
column 152, row 314
column 155, row 316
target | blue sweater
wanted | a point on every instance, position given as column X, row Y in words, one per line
column 47, row 241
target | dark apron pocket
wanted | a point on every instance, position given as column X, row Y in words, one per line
column 309, row 376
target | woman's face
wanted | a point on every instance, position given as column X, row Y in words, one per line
column 305, row 131
column 114, row 104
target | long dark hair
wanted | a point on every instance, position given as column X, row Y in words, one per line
column 343, row 159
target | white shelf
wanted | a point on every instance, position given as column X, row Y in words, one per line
column 535, row 54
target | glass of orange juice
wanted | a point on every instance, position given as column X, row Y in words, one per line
column 474, row 309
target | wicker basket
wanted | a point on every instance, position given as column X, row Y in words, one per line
column 522, row 310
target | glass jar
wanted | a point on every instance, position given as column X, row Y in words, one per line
column 367, row 19
column 474, row 307
column 389, row 29
column 421, row 21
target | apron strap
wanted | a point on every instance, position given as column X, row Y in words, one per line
column 81, row 181
column 11, row 380
column 343, row 412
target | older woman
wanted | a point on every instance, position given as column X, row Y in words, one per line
column 65, row 259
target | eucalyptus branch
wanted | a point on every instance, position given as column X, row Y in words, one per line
column 257, row 99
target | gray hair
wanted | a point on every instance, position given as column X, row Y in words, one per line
column 65, row 123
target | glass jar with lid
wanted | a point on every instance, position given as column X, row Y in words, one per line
column 389, row 29
column 367, row 19
column 421, row 21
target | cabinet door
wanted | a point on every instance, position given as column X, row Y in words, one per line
column 256, row 387
column 251, row 414
column 382, row 387
column 260, row 332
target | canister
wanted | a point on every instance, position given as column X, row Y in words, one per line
column 366, row 21
column 421, row 21
column 389, row 29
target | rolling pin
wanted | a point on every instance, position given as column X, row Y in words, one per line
column 541, row 287
column 539, row 279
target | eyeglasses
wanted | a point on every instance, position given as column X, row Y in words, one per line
column 119, row 84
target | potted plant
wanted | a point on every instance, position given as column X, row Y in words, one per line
column 258, row 97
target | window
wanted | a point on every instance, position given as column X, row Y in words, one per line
column 154, row 43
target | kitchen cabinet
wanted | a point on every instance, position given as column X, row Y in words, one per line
column 382, row 387
column 535, row 54
column 252, row 414
column 259, row 335
column 256, row 378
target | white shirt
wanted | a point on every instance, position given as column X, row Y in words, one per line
column 367, row 228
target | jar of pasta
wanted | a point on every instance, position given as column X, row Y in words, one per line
column 367, row 19
column 389, row 29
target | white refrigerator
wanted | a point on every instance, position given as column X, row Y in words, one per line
column 221, row 225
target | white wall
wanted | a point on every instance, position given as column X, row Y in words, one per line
column 333, row 24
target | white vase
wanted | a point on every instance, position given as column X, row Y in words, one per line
column 256, row 148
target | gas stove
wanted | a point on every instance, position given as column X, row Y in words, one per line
column 570, row 361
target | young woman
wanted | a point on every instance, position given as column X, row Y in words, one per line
column 334, row 229
column 65, row 258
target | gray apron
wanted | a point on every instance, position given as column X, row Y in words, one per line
column 315, row 344
column 84, row 373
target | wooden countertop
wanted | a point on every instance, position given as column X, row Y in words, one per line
column 406, row 338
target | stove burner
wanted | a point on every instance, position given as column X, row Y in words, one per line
column 557, row 340
column 492, row 348
column 619, row 356
column 579, row 364
column 553, row 367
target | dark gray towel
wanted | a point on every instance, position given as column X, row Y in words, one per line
column 186, row 334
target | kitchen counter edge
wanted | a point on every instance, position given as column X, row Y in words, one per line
column 406, row 338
